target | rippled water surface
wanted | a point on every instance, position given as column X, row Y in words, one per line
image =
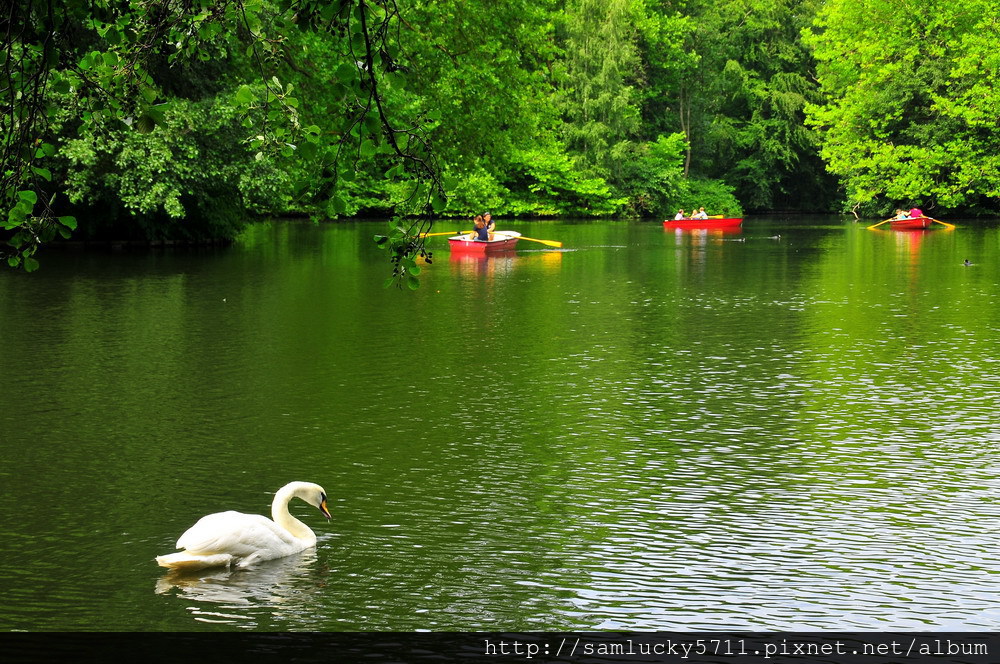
column 789, row 428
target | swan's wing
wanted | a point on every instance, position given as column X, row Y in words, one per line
column 234, row 533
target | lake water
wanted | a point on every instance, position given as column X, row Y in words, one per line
column 789, row 428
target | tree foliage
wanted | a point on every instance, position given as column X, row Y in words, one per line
column 122, row 67
column 599, row 92
column 740, row 98
column 909, row 114
column 181, row 119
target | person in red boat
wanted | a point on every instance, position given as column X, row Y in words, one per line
column 489, row 223
column 916, row 213
column 480, row 233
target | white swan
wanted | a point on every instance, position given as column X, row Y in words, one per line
column 234, row 538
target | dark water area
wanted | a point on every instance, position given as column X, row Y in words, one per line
column 792, row 427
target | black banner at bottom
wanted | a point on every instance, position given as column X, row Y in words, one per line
column 514, row 648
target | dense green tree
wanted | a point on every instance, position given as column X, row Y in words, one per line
column 910, row 106
column 739, row 98
column 483, row 69
column 610, row 49
column 599, row 92
column 670, row 60
column 122, row 66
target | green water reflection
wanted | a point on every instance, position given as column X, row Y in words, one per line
column 790, row 427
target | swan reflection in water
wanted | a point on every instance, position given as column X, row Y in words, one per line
column 281, row 587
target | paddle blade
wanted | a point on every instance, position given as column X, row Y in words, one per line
column 548, row 243
column 878, row 224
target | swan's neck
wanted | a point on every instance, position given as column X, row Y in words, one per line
column 284, row 518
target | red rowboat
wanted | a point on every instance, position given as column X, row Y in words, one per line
column 703, row 223
column 914, row 224
column 502, row 241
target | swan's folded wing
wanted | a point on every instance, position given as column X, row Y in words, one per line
column 234, row 533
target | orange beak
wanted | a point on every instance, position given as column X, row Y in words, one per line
column 324, row 510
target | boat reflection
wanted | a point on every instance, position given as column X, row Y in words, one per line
column 908, row 241
column 701, row 236
column 491, row 265
column 704, row 232
column 504, row 263
column 272, row 585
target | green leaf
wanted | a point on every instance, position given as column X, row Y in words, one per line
column 380, row 240
column 30, row 264
column 113, row 37
column 347, row 73
column 28, row 196
column 413, row 283
column 68, row 222
column 413, row 269
column 44, row 172
column 244, row 95
column 367, row 148
column 307, row 150
column 145, row 124
column 438, row 203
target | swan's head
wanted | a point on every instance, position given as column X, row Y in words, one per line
column 313, row 494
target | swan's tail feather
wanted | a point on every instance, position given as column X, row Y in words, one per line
column 193, row 561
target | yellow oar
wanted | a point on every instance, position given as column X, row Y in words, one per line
column 446, row 233
column 948, row 226
column 550, row 243
column 879, row 224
